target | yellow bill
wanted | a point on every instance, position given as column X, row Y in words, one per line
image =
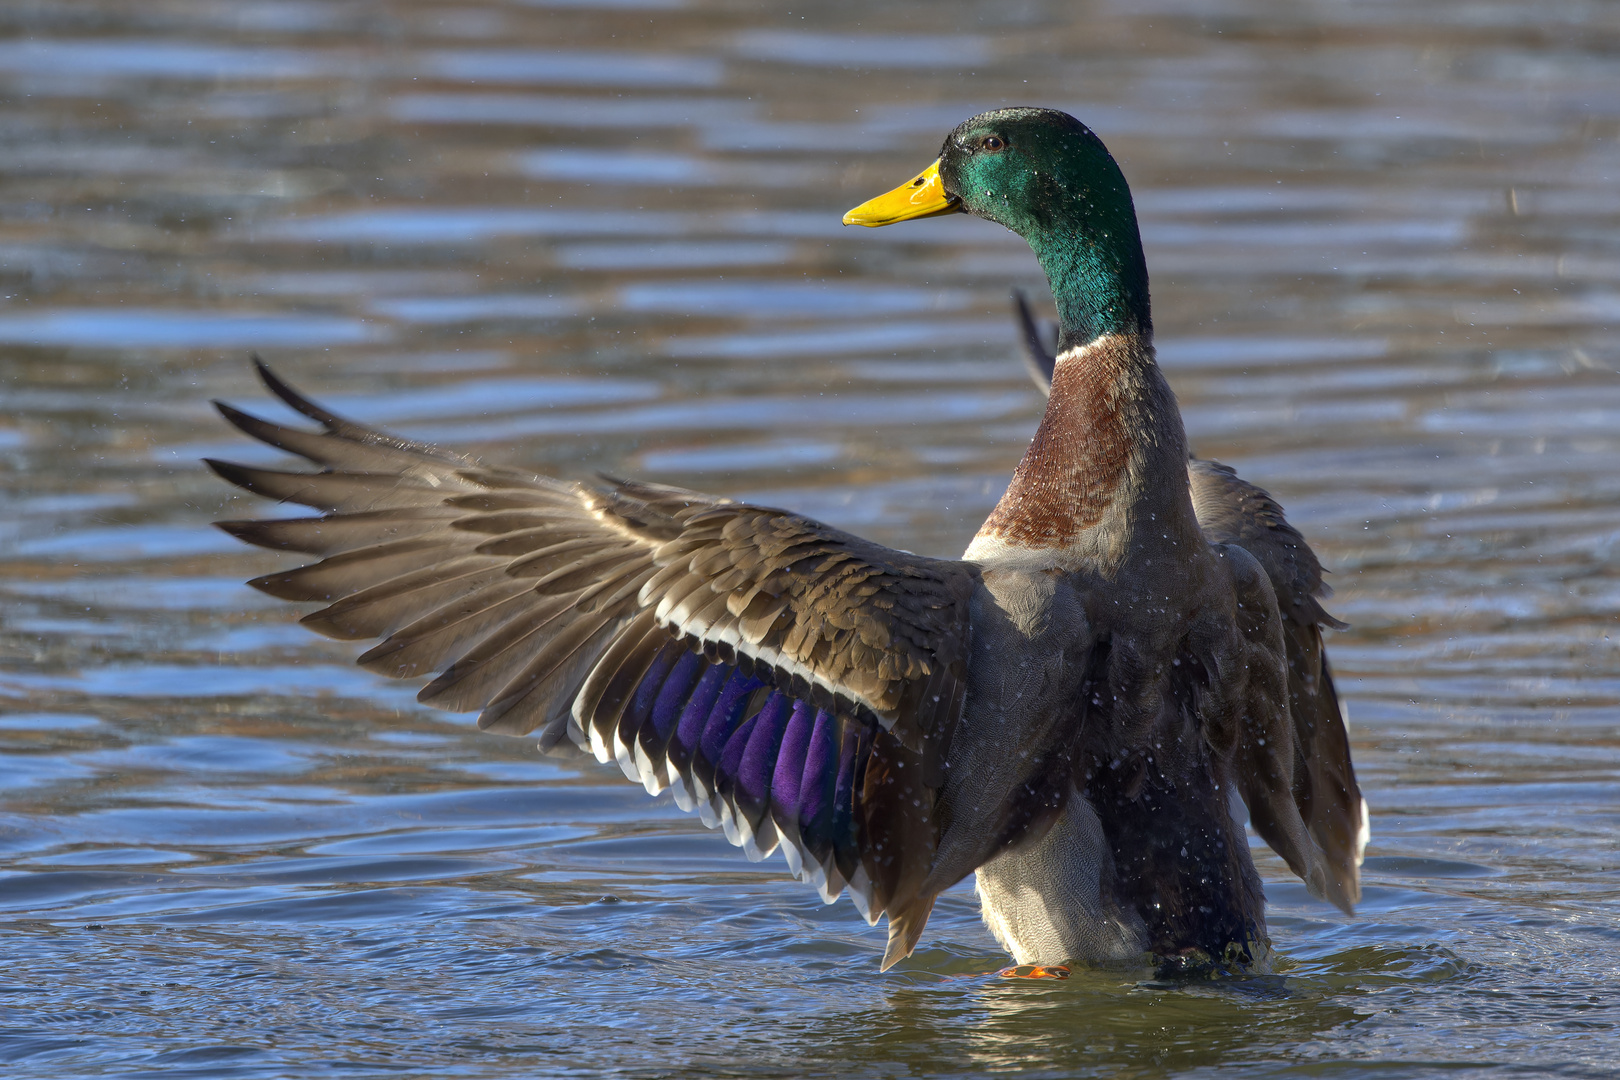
column 921, row 196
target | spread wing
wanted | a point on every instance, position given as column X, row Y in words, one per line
column 795, row 684
column 1232, row 511
column 1037, row 342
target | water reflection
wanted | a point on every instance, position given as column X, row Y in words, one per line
column 121, row 328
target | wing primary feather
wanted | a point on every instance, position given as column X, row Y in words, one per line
column 541, row 659
column 327, row 491
column 1038, row 358
column 345, row 429
column 321, row 448
column 292, row 398
column 471, row 652
column 337, row 534
column 441, row 637
column 604, row 565
column 535, row 698
column 353, row 571
column 388, row 606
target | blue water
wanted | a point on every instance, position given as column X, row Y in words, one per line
column 586, row 236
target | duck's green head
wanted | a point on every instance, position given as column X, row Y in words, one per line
column 1047, row 177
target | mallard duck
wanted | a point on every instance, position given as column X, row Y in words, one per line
column 1079, row 711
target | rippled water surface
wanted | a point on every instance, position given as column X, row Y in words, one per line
column 1385, row 246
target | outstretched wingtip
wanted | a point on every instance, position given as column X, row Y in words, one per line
column 298, row 402
column 226, row 470
column 1037, row 358
column 1344, row 899
column 242, row 421
column 1343, row 894
column 1338, row 881
column 905, row 928
column 893, row 954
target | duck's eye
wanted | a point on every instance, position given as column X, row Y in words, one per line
column 993, row 143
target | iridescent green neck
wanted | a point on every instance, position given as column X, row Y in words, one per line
column 1097, row 273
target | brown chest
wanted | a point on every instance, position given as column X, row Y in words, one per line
column 1071, row 475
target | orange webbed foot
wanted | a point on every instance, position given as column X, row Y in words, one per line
column 1034, row 971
